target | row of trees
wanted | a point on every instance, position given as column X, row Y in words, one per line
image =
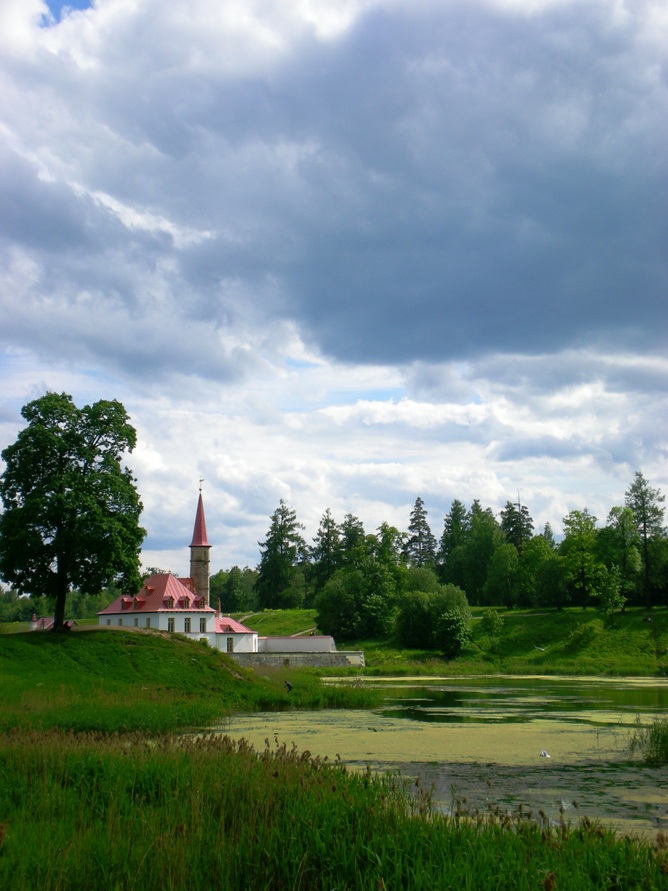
column 357, row 580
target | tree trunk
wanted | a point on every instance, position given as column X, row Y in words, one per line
column 62, row 586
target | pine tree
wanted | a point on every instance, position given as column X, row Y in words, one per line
column 353, row 538
column 645, row 502
column 420, row 546
column 327, row 552
column 456, row 530
column 517, row 524
column 280, row 574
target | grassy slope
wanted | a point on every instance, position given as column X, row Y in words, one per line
column 280, row 622
column 106, row 680
column 112, row 680
column 573, row 642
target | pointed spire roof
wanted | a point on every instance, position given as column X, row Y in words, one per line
column 199, row 532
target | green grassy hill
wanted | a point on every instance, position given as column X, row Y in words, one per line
column 570, row 642
column 110, row 679
column 280, row 622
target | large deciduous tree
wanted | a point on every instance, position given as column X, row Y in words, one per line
column 71, row 509
column 578, row 550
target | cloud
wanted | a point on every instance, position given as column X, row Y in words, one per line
column 342, row 252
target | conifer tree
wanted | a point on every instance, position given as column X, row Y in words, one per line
column 517, row 524
column 420, row 546
column 451, row 547
column 327, row 551
column 645, row 502
column 279, row 583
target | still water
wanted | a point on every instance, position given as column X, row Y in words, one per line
column 551, row 744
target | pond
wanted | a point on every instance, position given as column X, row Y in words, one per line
column 559, row 745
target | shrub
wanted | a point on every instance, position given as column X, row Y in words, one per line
column 452, row 632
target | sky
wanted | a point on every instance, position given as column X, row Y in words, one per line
column 343, row 253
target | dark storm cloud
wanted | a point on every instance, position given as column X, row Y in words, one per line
column 508, row 190
column 439, row 181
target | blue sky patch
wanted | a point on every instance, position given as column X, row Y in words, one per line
column 59, row 10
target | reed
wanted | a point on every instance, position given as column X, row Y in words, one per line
column 651, row 742
column 132, row 812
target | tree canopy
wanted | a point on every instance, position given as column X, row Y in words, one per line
column 71, row 509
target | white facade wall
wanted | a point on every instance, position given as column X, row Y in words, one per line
column 160, row 621
column 240, row 643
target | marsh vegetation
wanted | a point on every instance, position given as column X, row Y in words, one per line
column 102, row 786
column 122, row 812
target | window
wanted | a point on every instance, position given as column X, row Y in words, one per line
column 170, row 624
column 120, row 620
column 135, row 605
column 186, row 626
column 136, row 622
column 230, row 644
column 148, row 622
column 202, row 626
column 108, row 621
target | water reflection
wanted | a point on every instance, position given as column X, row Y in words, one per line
column 522, row 700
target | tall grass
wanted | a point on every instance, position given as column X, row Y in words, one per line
column 129, row 812
column 651, row 742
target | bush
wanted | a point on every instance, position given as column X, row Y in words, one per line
column 452, row 632
column 419, row 613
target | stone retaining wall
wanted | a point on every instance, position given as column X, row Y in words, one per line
column 338, row 659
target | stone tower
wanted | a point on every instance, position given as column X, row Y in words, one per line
column 199, row 554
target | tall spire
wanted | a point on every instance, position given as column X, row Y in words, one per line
column 199, row 553
column 199, row 532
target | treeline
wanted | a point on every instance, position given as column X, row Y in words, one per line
column 366, row 585
column 17, row 608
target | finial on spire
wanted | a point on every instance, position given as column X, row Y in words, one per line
column 201, row 480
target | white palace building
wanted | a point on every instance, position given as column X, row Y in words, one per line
column 181, row 605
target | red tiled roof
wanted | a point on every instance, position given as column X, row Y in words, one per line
column 45, row 623
column 227, row 625
column 157, row 593
column 199, row 532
